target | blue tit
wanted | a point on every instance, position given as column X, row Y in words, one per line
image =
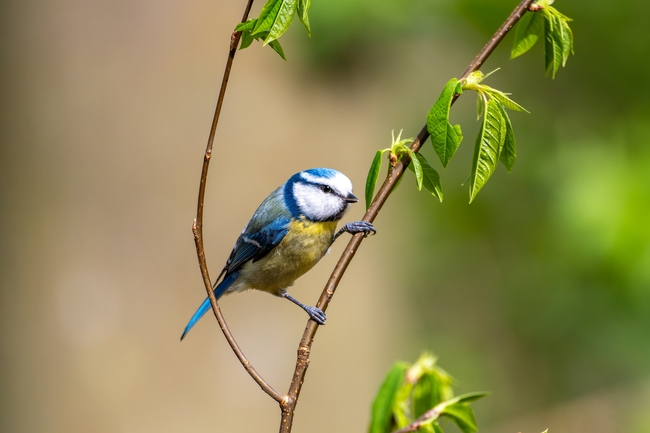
column 288, row 234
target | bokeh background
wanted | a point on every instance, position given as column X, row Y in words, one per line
column 538, row 292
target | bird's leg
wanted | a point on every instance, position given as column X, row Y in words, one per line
column 357, row 227
column 316, row 314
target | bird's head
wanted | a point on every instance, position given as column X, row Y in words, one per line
column 320, row 194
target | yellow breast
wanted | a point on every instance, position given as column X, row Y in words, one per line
column 303, row 246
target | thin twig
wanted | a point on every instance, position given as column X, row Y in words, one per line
column 415, row 425
column 288, row 405
column 197, row 227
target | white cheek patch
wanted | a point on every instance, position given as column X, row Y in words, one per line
column 314, row 203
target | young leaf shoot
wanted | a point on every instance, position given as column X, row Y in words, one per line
column 496, row 138
column 275, row 18
column 414, row 397
column 425, row 175
column 558, row 37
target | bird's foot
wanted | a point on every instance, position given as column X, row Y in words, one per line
column 357, row 227
column 316, row 314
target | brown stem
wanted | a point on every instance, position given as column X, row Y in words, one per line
column 288, row 405
column 197, row 227
column 415, row 425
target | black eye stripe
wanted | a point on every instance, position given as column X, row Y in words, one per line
column 325, row 188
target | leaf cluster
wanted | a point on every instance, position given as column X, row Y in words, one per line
column 275, row 18
column 558, row 37
column 418, row 395
column 425, row 174
column 496, row 138
column 495, row 142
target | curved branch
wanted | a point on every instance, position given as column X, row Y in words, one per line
column 197, row 227
column 289, row 404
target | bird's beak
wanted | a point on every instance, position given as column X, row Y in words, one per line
column 351, row 198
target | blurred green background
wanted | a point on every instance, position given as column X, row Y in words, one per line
column 538, row 292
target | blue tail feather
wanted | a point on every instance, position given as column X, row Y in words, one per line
column 205, row 306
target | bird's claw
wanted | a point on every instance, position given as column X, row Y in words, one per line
column 358, row 227
column 316, row 314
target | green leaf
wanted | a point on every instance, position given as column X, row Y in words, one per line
column 401, row 406
column 563, row 40
column 463, row 416
column 303, row 11
column 275, row 17
column 444, row 137
column 248, row 26
column 436, row 427
column 417, row 168
column 508, row 153
column 373, row 175
column 381, row 420
column 277, row 48
column 430, row 179
column 567, row 40
column 553, row 43
column 267, row 16
column 246, row 37
column 529, row 29
column 283, row 20
column 504, row 100
column 487, row 146
column 246, row 40
column 469, row 397
column 401, row 409
column 425, row 395
column 459, row 411
column 559, row 39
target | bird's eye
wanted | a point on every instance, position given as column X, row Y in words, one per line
column 325, row 189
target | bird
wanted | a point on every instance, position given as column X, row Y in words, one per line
column 287, row 235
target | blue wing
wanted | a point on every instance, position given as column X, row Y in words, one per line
column 254, row 246
column 249, row 246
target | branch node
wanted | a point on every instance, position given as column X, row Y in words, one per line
column 287, row 402
column 233, row 40
column 303, row 353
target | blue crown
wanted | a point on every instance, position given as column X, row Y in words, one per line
column 326, row 173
